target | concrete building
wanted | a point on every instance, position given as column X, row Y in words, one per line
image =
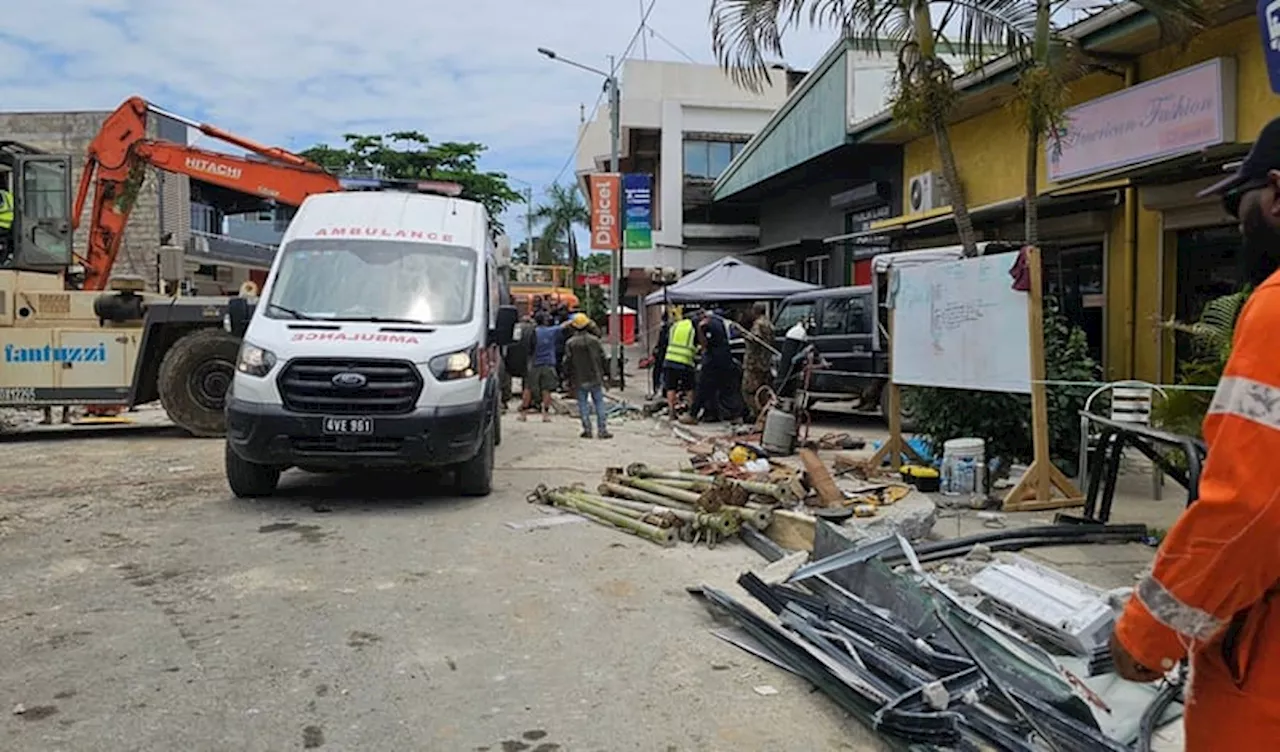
column 683, row 124
column 808, row 184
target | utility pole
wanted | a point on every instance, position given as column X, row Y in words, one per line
column 615, row 282
column 528, row 224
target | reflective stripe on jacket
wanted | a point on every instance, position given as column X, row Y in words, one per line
column 6, row 210
column 680, row 346
column 1210, row 591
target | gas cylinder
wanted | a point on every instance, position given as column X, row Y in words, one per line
column 779, row 435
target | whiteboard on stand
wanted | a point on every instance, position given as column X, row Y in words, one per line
column 961, row 325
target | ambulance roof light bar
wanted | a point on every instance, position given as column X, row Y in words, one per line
column 438, row 187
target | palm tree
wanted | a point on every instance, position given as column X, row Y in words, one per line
column 563, row 211
column 746, row 32
column 1052, row 60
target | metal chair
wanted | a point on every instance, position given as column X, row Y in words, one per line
column 1131, row 402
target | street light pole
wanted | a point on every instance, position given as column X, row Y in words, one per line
column 615, row 165
column 615, row 282
column 528, row 223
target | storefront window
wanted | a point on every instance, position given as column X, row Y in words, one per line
column 815, row 270
column 707, row 159
column 1208, row 267
column 1074, row 276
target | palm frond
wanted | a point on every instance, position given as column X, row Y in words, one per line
column 984, row 29
column 744, row 33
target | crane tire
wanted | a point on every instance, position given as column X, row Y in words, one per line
column 195, row 375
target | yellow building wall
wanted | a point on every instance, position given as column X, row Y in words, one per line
column 989, row 148
column 991, row 162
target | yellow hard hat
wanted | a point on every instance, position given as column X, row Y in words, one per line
column 579, row 321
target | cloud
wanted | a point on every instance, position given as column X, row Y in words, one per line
column 299, row 72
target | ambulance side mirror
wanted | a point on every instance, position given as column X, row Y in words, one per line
column 505, row 331
column 239, row 311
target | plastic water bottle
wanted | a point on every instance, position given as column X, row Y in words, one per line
column 966, row 478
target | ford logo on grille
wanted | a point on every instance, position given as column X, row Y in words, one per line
column 350, row 380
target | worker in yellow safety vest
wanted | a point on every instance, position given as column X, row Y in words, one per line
column 6, row 226
column 678, row 365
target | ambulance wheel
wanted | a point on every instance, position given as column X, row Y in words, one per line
column 249, row 480
column 194, row 377
column 475, row 476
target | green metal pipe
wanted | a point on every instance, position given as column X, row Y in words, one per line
column 609, row 488
column 661, row 536
column 679, row 494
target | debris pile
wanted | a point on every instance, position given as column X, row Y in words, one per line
column 668, row 506
column 1009, row 659
column 722, row 493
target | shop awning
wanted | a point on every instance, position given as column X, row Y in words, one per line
column 1202, row 163
column 999, row 211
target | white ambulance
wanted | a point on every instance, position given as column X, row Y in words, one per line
column 375, row 343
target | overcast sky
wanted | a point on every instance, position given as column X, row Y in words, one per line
column 298, row 72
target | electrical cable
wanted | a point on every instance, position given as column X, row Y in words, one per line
column 613, row 73
column 672, row 45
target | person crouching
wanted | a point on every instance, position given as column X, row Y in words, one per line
column 584, row 365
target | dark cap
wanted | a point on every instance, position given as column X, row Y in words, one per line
column 1262, row 158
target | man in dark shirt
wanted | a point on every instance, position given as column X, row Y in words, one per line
column 584, row 364
column 542, row 380
column 716, row 370
column 660, row 354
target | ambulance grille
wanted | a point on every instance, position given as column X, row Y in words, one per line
column 391, row 386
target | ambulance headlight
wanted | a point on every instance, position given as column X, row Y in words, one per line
column 254, row 360
column 458, row 365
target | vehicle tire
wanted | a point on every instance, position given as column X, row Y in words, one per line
column 194, row 378
column 247, row 479
column 497, row 427
column 475, row 476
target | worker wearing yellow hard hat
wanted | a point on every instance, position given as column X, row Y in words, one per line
column 584, row 365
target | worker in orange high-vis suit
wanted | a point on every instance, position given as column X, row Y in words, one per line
column 1212, row 592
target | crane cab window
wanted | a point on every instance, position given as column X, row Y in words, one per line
column 44, row 202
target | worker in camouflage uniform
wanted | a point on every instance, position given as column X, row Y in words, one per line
column 757, row 364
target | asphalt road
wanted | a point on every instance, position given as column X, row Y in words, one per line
column 144, row 608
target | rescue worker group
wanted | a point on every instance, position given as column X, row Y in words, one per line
column 565, row 354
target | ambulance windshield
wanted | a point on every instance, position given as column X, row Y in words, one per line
column 374, row 280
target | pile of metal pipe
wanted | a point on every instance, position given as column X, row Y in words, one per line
column 627, row 520
column 662, row 492
column 783, row 494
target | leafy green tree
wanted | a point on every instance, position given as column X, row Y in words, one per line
column 561, row 212
column 410, row 155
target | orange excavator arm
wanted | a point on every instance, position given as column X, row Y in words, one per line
column 115, row 167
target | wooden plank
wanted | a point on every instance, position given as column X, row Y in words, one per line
column 820, row 479
column 792, row 530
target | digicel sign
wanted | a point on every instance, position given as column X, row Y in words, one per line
column 606, row 192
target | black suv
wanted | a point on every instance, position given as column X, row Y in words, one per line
column 842, row 325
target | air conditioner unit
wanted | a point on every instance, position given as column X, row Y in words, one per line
column 926, row 191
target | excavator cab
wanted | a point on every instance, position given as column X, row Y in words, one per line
column 40, row 183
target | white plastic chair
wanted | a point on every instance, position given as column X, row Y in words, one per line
column 1131, row 402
